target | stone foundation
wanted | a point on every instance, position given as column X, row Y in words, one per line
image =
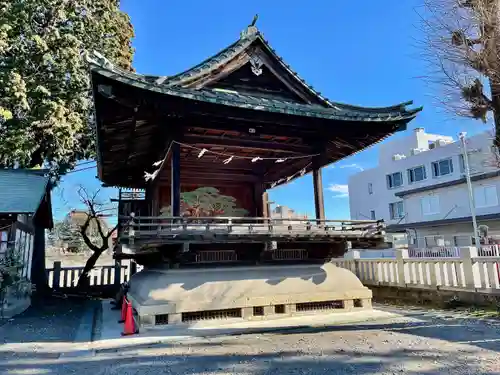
column 442, row 297
column 185, row 296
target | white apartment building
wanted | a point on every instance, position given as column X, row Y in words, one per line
column 419, row 188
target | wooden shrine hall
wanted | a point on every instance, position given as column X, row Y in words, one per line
column 204, row 146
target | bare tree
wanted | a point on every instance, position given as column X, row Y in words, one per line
column 462, row 45
column 94, row 214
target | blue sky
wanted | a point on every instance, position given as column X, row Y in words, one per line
column 363, row 53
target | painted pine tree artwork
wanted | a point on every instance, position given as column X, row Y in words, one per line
column 207, row 202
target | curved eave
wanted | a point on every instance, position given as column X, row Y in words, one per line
column 240, row 102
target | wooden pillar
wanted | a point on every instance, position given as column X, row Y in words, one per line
column 175, row 192
column 152, row 196
column 265, row 205
column 259, row 191
column 319, row 202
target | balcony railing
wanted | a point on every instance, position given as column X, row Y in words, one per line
column 182, row 228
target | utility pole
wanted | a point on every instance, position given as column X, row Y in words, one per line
column 469, row 187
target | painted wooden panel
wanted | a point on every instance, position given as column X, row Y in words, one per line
column 199, row 200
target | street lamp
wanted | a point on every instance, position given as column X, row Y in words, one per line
column 472, row 205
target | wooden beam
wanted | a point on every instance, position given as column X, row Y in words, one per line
column 207, row 182
column 242, row 125
column 218, row 141
column 200, row 171
column 235, row 166
column 208, row 176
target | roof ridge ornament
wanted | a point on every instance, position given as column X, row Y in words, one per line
column 98, row 59
column 251, row 29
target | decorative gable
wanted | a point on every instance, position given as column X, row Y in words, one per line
column 248, row 66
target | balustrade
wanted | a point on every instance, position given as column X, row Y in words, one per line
column 469, row 270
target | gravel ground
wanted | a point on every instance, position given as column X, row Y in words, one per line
column 53, row 320
column 423, row 342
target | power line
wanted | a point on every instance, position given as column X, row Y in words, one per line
column 86, row 162
column 81, row 169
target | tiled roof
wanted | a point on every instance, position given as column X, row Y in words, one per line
column 232, row 98
column 21, row 190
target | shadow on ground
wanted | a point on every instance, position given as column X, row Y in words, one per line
column 57, row 320
column 280, row 362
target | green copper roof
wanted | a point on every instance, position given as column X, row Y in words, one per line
column 232, row 98
column 176, row 86
column 21, row 190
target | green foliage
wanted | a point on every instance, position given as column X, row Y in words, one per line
column 11, row 281
column 45, row 97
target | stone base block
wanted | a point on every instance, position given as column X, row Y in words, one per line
column 165, row 297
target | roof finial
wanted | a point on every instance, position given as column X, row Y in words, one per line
column 251, row 29
column 254, row 21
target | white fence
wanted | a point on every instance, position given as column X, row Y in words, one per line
column 433, row 252
column 67, row 277
column 466, row 271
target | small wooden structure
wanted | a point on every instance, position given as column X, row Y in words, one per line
column 195, row 154
column 25, row 213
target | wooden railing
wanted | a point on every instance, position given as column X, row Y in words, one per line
column 469, row 271
column 143, row 227
column 67, row 277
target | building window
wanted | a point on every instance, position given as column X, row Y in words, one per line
column 416, row 174
column 485, row 196
column 370, row 188
column 372, row 214
column 394, row 180
column 430, row 205
column 442, row 167
column 396, row 210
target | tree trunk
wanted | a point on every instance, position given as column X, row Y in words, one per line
column 493, row 47
column 495, row 104
column 83, row 280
